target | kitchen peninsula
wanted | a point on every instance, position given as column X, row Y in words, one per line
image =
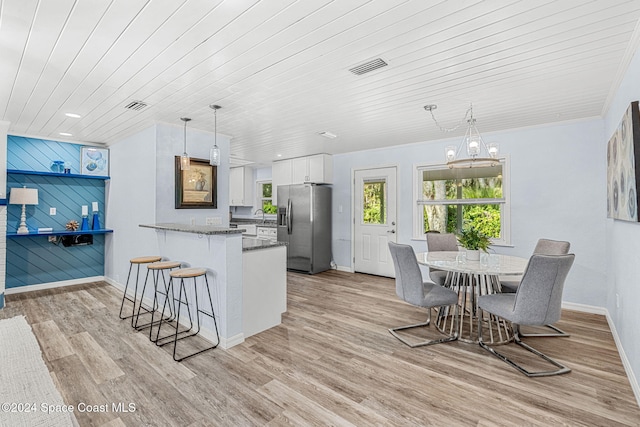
column 247, row 276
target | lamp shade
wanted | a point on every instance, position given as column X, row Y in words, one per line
column 23, row 196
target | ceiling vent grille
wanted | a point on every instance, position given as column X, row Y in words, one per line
column 368, row 67
column 135, row 105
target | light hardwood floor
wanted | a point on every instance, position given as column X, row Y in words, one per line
column 331, row 362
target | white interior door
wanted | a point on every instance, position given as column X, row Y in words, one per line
column 374, row 220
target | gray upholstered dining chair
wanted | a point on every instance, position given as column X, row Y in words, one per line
column 440, row 242
column 412, row 289
column 543, row 247
column 537, row 302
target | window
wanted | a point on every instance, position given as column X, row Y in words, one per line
column 265, row 190
column 374, row 203
column 448, row 199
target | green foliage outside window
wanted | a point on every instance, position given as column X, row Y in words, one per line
column 373, row 208
column 267, row 191
column 449, row 217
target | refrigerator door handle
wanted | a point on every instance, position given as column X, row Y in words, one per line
column 289, row 216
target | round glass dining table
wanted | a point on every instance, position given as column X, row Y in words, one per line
column 471, row 279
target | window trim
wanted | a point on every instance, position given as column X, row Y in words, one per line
column 505, row 202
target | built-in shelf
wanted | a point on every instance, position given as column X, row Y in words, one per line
column 62, row 175
column 13, row 234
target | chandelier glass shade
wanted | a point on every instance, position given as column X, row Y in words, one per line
column 214, row 153
column 185, row 161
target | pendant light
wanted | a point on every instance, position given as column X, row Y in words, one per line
column 214, row 153
column 185, row 162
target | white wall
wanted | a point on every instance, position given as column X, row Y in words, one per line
column 557, row 191
column 170, row 143
column 4, row 127
column 622, row 247
column 130, row 200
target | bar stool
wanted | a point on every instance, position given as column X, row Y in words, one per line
column 157, row 269
column 182, row 274
column 135, row 261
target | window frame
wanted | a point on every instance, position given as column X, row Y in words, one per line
column 260, row 199
column 505, row 206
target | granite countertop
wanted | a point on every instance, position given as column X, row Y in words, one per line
column 252, row 244
column 270, row 223
column 197, row 229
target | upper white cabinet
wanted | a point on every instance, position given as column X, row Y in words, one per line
column 317, row 169
column 241, row 186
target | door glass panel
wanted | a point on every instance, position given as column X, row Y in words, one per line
column 374, row 203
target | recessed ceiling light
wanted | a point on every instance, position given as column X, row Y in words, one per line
column 278, row 155
column 66, row 134
column 73, row 115
column 328, row 135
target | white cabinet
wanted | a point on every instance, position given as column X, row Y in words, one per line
column 316, row 169
column 268, row 233
column 280, row 175
column 241, row 186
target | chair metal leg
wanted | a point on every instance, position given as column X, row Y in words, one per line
column 449, row 338
column 559, row 333
column 562, row 369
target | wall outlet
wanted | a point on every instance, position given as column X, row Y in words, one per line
column 52, row 211
column 192, row 220
column 214, row 220
column 617, row 300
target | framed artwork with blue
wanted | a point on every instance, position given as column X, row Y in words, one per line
column 94, row 161
column 623, row 167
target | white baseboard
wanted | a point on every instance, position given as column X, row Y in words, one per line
column 584, row 308
column 625, row 361
column 51, row 285
column 345, row 269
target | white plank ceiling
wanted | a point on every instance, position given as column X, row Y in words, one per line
column 280, row 68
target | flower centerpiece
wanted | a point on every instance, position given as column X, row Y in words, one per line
column 474, row 242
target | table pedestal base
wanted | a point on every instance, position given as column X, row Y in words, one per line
column 469, row 286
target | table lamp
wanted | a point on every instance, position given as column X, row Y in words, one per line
column 23, row 196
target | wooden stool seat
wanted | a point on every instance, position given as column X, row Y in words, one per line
column 188, row 272
column 164, row 265
column 145, row 259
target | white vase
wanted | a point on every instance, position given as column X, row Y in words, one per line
column 473, row 255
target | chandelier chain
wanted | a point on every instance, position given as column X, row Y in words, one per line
column 456, row 127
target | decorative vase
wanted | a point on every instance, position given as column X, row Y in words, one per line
column 95, row 224
column 473, row 255
column 85, row 223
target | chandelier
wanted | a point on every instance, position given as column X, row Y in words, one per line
column 478, row 153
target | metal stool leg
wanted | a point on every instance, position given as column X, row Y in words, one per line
column 157, row 340
column 124, row 294
column 198, row 311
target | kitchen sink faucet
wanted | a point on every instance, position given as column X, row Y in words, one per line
column 256, row 213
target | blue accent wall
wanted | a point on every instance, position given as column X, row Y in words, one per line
column 35, row 260
column 34, row 154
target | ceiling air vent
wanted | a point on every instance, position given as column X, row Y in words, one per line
column 369, row 66
column 135, row 105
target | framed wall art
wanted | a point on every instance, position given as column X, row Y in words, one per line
column 623, row 167
column 94, row 161
column 196, row 188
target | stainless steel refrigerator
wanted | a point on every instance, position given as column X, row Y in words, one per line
column 304, row 223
